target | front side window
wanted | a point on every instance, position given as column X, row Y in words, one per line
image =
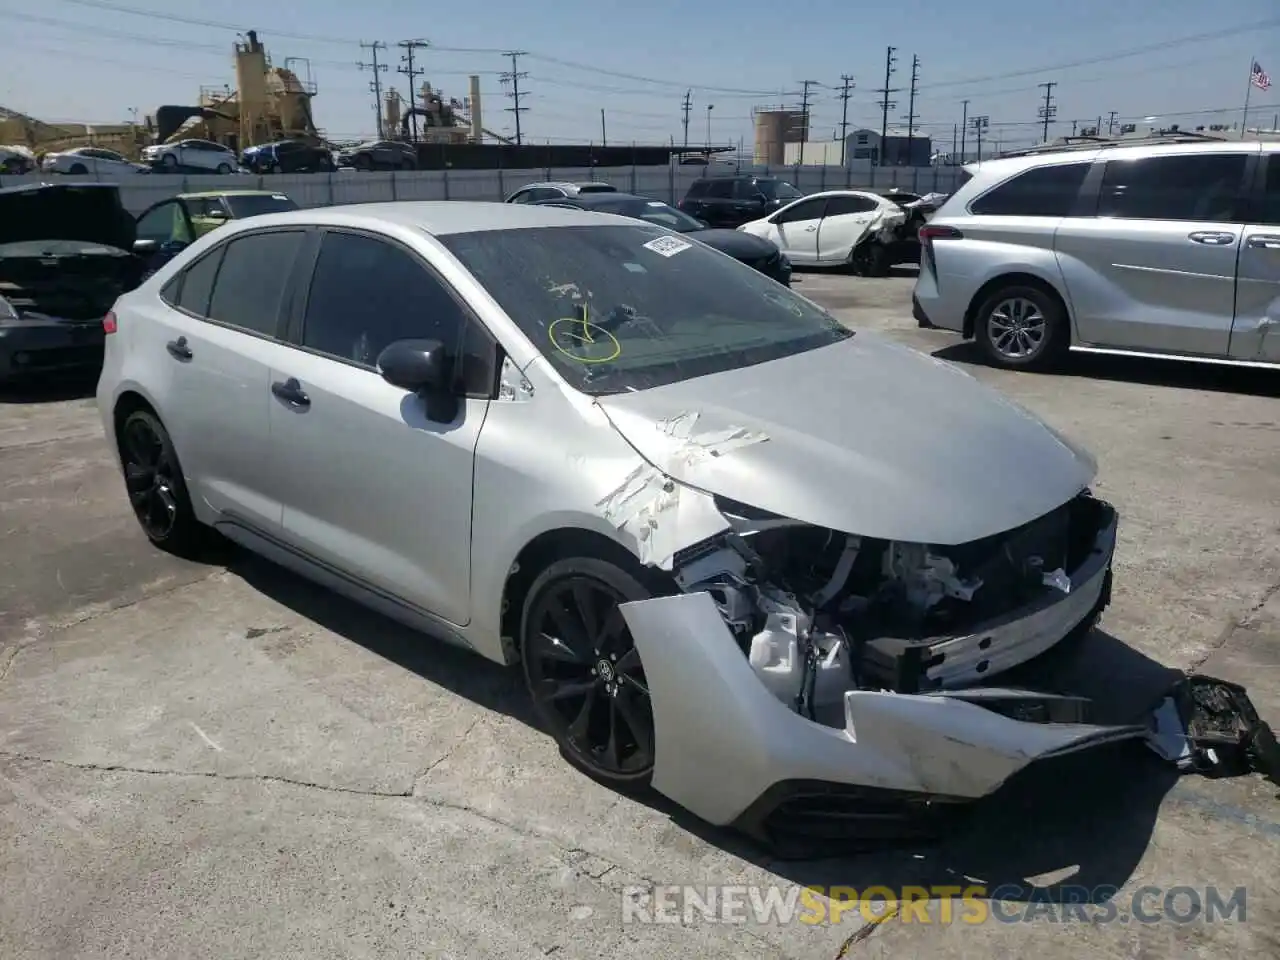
column 1203, row 187
column 778, row 190
column 806, row 210
column 367, row 293
column 624, row 307
column 697, row 189
column 165, row 223
column 720, row 190
column 251, row 282
column 1041, row 192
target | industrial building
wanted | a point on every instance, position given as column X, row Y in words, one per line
column 775, row 129
column 865, row 146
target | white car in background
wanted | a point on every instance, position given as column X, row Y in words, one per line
column 192, row 154
column 835, row 228
column 90, row 160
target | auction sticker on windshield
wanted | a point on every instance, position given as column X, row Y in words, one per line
column 668, row 246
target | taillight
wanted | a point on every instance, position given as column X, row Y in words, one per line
column 109, row 322
column 929, row 232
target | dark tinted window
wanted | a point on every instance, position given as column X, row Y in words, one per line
column 1041, row 192
column 197, row 283
column 720, row 189
column 808, row 210
column 1199, row 187
column 1270, row 212
column 163, row 223
column 597, row 188
column 367, row 293
column 697, row 189
column 778, row 190
column 838, row 206
column 253, row 204
column 251, row 282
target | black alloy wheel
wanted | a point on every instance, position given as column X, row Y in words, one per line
column 584, row 672
column 157, row 490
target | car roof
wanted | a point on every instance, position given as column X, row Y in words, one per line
column 602, row 197
column 438, row 217
column 37, row 187
column 202, row 194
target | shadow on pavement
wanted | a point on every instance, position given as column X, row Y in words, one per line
column 50, row 390
column 1157, row 373
column 1088, row 817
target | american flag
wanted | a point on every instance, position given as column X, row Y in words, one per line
column 1258, row 77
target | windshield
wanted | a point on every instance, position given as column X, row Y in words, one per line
column 620, row 308
column 778, row 190
column 252, row 205
column 655, row 211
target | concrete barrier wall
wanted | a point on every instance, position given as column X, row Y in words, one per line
column 662, row 183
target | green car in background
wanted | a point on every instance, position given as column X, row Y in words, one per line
column 165, row 228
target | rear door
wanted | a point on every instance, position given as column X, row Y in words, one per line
column 845, row 221
column 795, row 229
column 1255, row 331
column 213, row 350
column 1155, row 270
column 716, row 204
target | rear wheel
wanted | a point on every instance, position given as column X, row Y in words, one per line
column 77, row 168
column 1022, row 327
column 169, row 161
column 156, row 487
column 583, row 670
column 871, row 259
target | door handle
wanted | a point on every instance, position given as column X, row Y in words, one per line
column 179, row 349
column 1212, row 239
column 810, row 229
column 291, row 392
column 1265, row 241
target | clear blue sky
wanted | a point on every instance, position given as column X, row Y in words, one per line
column 93, row 60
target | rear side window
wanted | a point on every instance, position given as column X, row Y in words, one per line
column 1197, row 187
column 698, row 189
column 197, row 284
column 838, row 206
column 1040, row 192
column 720, row 189
column 251, row 282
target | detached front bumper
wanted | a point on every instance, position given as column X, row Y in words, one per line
column 730, row 751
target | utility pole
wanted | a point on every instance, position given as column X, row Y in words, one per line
column 980, row 124
column 686, row 105
column 410, row 71
column 514, row 76
column 911, row 109
column 1048, row 111
column 1111, row 123
column 375, row 86
column 804, row 115
column 604, row 133
column 964, row 126
column 846, row 91
column 885, row 103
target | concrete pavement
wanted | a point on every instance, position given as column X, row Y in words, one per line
column 224, row 761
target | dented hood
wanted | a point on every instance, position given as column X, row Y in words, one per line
column 864, row 436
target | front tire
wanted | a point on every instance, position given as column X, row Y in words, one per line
column 77, row 169
column 1022, row 327
column 169, row 162
column 224, row 168
column 156, row 487
column 583, row 670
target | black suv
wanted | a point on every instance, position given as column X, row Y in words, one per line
column 734, row 200
column 288, row 156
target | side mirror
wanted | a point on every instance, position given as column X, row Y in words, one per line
column 217, row 214
column 422, row 367
column 145, row 248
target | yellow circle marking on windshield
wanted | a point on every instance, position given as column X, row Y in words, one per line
column 584, row 341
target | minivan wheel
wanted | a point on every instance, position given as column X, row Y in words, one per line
column 1023, row 328
column 583, row 670
column 156, row 487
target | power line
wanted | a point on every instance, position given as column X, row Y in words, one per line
column 514, row 76
column 1048, row 111
column 408, row 46
column 375, row 85
column 846, row 91
column 686, row 105
column 911, row 108
column 804, row 115
column 885, row 103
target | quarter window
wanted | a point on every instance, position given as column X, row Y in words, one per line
column 1205, row 187
column 251, row 283
column 367, row 293
column 1041, row 192
column 197, row 283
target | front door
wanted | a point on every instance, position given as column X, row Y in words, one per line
column 1156, row 269
column 378, row 490
column 1255, row 334
column 795, row 229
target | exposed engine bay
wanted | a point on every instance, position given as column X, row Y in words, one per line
column 818, row 613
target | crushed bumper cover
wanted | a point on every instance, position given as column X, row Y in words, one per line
column 723, row 741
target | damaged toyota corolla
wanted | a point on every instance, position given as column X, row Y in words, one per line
column 766, row 563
